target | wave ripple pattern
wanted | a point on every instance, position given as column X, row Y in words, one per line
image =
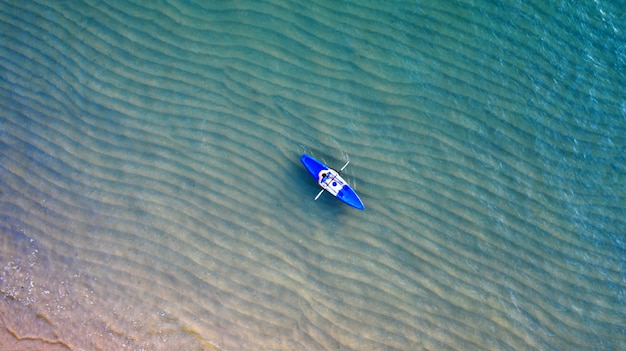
column 151, row 196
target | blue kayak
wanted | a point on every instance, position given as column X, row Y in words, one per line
column 331, row 181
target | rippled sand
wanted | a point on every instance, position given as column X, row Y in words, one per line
column 151, row 196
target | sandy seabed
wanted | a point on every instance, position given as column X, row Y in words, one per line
column 151, row 196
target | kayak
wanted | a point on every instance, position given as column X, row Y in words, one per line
column 331, row 181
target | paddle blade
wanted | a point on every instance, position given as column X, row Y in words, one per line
column 319, row 194
column 344, row 166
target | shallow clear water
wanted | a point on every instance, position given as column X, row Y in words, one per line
column 152, row 198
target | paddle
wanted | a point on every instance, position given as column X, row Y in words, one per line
column 344, row 166
column 319, row 194
column 321, row 191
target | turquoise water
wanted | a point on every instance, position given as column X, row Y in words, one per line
column 152, row 198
